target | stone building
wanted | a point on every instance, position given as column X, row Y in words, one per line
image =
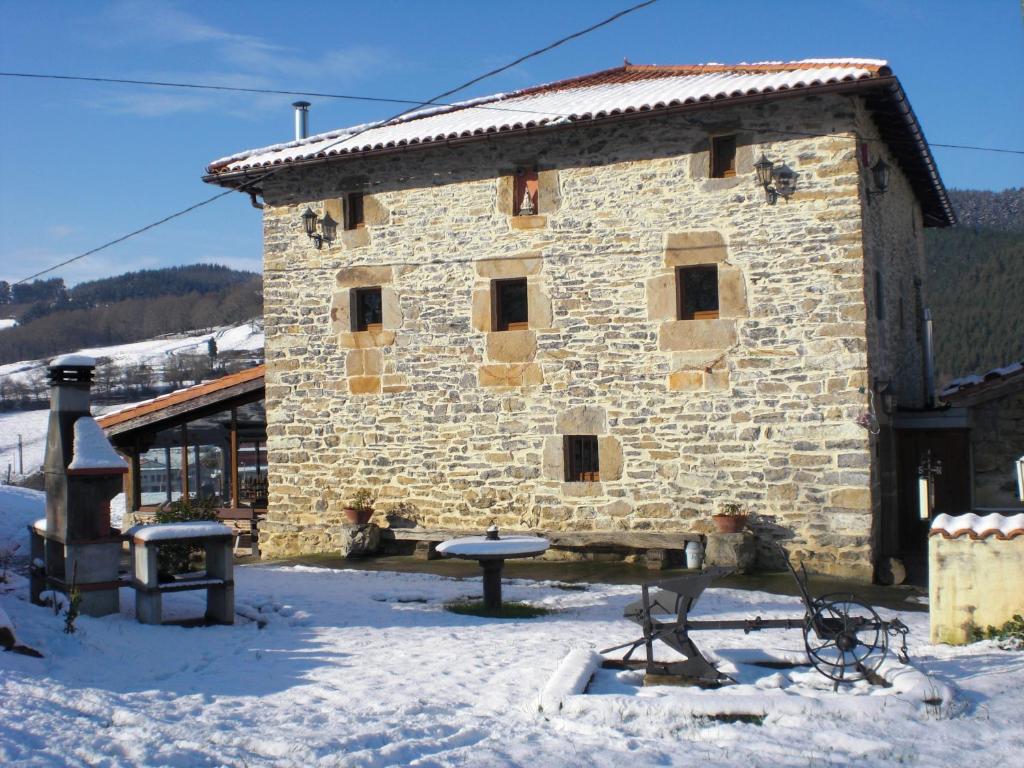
column 577, row 308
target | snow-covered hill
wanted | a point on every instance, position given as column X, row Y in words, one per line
column 31, row 425
column 247, row 337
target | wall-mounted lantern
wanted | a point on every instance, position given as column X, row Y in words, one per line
column 880, row 177
column 328, row 228
column 784, row 179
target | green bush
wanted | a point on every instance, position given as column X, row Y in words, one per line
column 1010, row 636
column 177, row 558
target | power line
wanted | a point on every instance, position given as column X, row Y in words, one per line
column 250, row 184
column 496, row 107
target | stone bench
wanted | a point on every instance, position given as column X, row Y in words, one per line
column 216, row 540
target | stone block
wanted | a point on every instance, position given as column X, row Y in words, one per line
column 360, row 540
column 364, row 385
column 553, row 459
column 581, row 420
column 426, row 550
column 528, row 222
column 684, row 249
column 609, row 456
column 851, row 498
column 731, row 550
column 549, row 195
column 512, row 346
column 374, row 211
column 523, row 265
column 391, row 309
column 363, row 362
column 662, row 301
column 716, row 380
column 363, row 277
column 732, row 293
column 366, row 339
column 539, row 307
column 686, row 381
column 481, row 310
column 685, row 335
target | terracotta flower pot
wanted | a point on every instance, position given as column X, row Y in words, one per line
column 730, row 523
column 358, row 516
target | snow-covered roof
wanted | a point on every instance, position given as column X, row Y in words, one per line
column 1002, row 526
column 92, row 450
column 632, row 88
column 623, row 90
column 992, row 383
column 74, row 360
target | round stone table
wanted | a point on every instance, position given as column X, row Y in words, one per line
column 491, row 551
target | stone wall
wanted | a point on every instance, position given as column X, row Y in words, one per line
column 454, row 425
column 968, row 580
column 997, row 441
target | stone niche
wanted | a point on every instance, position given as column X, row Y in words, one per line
column 582, row 420
column 549, row 197
column 697, row 347
column 511, row 355
column 367, row 369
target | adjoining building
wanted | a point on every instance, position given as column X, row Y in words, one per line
column 607, row 304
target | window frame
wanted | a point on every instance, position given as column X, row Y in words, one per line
column 355, row 212
column 715, row 169
column 586, row 468
column 525, row 178
column 498, row 323
column 357, row 315
column 714, row 314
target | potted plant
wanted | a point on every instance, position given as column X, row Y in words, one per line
column 731, row 518
column 360, row 509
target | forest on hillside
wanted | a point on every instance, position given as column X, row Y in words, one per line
column 975, row 283
column 131, row 307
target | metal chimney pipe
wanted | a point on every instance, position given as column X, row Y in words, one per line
column 929, row 360
column 301, row 119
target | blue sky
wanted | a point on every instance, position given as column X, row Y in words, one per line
column 82, row 163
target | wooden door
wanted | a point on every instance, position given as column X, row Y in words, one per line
column 951, row 447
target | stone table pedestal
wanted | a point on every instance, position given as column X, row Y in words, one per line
column 731, row 550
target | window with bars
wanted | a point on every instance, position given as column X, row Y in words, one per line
column 510, row 305
column 582, row 464
column 368, row 314
column 723, row 157
column 353, row 210
column 697, row 292
column 525, row 198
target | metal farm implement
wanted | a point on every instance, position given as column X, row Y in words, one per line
column 846, row 640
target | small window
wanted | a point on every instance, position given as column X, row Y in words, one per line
column 698, row 292
column 353, row 210
column 524, row 193
column 581, row 460
column 511, row 308
column 723, row 157
column 369, row 312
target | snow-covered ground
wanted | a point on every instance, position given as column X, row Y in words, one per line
column 7, row 322
column 361, row 668
column 240, row 338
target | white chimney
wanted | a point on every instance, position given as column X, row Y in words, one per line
column 301, row 119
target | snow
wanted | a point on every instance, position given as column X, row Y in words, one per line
column 172, row 531
column 535, row 107
column 7, row 322
column 366, row 668
column 479, row 546
column 40, row 525
column 19, row 508
column 92, row 449
column 246, row 337
column 73, row 361
column 979, row 526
